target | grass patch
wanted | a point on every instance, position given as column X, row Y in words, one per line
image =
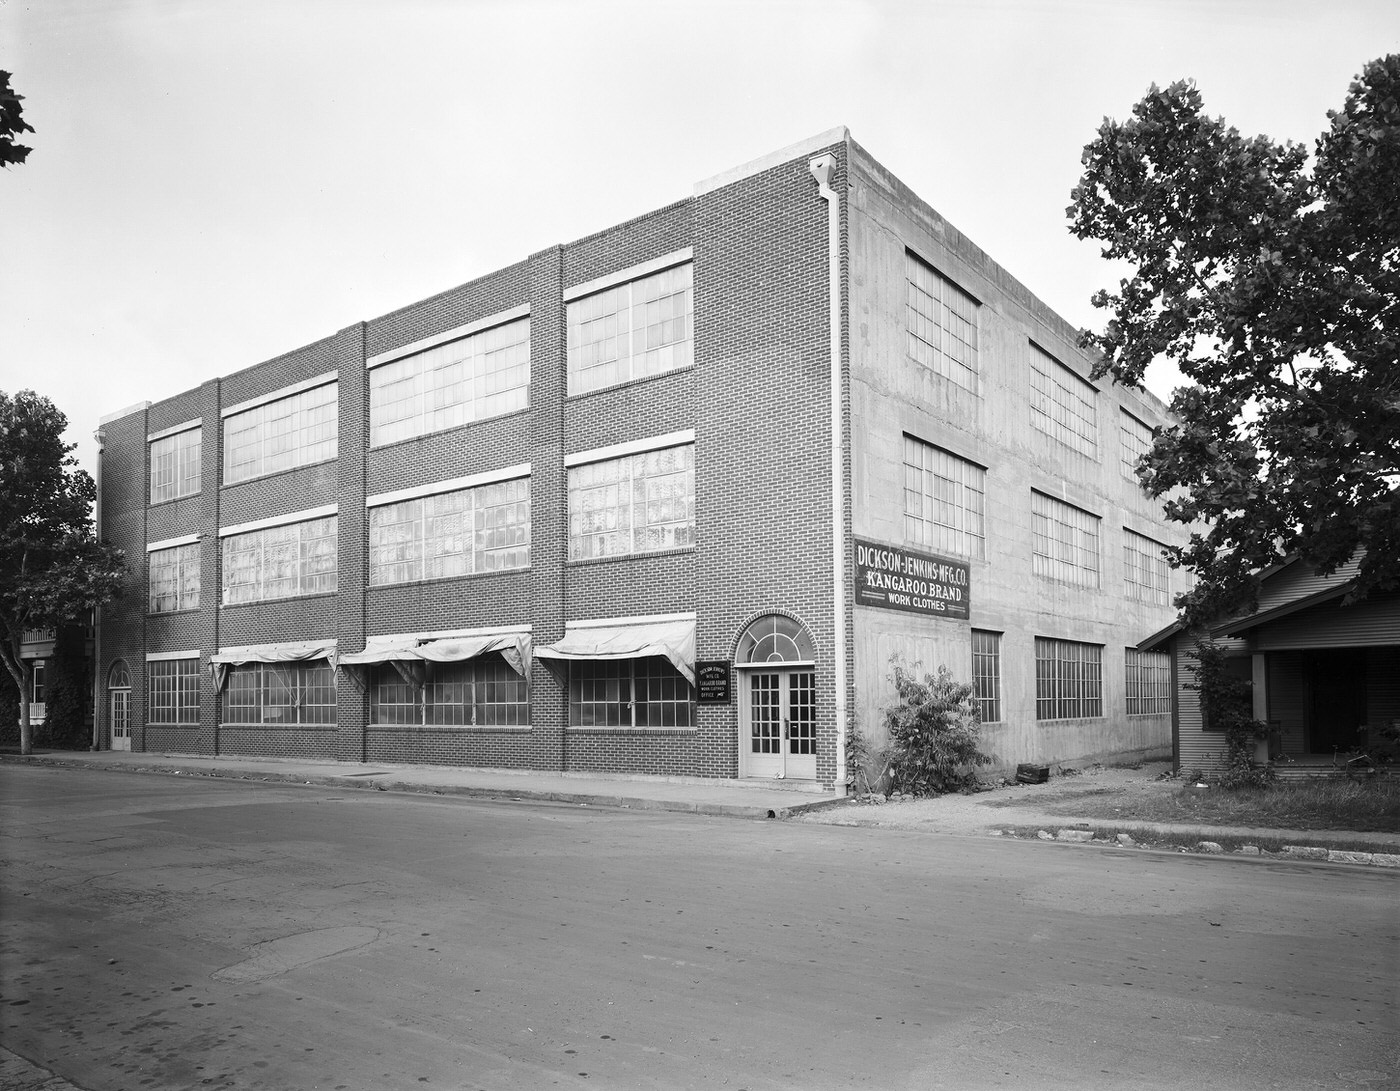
column 1332, row 803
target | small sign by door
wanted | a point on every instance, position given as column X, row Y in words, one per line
column 711, row 682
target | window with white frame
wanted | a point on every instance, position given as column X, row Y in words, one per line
column 460, row 533
column 625, row 693
column 280, row 694
column 36, row 677
column 174, row 579
column 280, row 562
column 986, row 675
column 1148, row 682
column 632, row 330
column 1063, row 405
column 175, row 465
column 1146, row 575
column 1068, row 679
column 173, row 691
column 481, row 692
column 638, row 503
column 943, row 500
column 1064, row 542
column 942, row 324
column 1134, row 441
column 278, row 435
column 485, row 374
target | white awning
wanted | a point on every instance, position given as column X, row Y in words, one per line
column 288, row 652
column 514, row 648
column 675, row 640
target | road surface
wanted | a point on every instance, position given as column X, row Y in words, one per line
column 161, row 932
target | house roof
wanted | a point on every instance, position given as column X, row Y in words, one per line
column 1241, row 625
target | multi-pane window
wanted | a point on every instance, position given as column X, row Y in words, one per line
column 639, row 503
column 36, row 690
column 1134, row 441
column 646, row 692
column 1063, row 405
column 486, row 374
column 1148, row 682
column 943, row 500
column 1145, row 569
column 640, row 328
column 942, row 324
column 173, row 691
column 459, row 533
column 175, row 465
column 481, row 692
column 986, row 675
column 293, row 431
column 174, row 579
column 1065, row 542
column 280, row 562
column 280, row 694
column 1068, row 679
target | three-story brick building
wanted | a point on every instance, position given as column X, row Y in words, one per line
column 664, row 500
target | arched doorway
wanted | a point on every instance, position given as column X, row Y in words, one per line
column 776, row 663
column 119, row 705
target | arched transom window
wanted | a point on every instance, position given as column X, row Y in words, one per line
column 119, row 677
column 776, row 639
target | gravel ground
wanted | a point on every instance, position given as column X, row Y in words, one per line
column 1008, row 805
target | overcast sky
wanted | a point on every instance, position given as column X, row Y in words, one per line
column 214, row 182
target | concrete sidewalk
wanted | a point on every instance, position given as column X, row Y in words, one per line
column 732, row 798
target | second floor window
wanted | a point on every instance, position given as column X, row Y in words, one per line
column 630, row 331
column 1145, row 569
column 1134, row 441
column 943, row 500
column 280, row 562
column 1063, row 405
column 486, row 374
column 459, row 533
column 278, row 435
column 1065, row 542
column 174, row 579
column 175, row 465
column 639, row 503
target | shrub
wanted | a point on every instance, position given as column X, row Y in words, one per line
column 934, row 733
column 1226, row 705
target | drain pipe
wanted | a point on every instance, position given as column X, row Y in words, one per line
column 101, row 438
column 823, row 167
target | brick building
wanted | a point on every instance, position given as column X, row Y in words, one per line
column 578, row 514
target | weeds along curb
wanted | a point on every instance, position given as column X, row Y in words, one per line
column 1273, row 848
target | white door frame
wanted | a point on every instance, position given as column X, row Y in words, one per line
column 120, row 724
column 787, row 761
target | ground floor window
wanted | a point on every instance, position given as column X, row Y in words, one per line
column 480, row 692
column 173, row 691
column 1148, row 682
column 280, row 694
column 1068, row 679
column 647, row 692
column 986, row 675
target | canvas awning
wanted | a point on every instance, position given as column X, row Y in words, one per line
column 405, row 648
column 287, row 652
column 675, row 640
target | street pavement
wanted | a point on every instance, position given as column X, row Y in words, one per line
column 184, row 932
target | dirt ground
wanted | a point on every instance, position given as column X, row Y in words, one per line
column 1010, row 805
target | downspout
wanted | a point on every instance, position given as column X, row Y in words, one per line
column 101, row 437
column 823, row 167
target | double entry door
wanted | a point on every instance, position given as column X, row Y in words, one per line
column 780, row 724
column 121, row 719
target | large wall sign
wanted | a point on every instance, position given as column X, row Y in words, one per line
column 896, row 578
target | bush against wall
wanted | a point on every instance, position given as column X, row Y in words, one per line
column 934, row 732
column 1226, row 706
column 9, row 710
column 68, row 687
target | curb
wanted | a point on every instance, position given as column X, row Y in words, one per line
column 1178, row 842
column 507, row 794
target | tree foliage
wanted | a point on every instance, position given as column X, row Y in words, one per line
column 1227, row 707
column 12, row 124
column 934, row 732
column 53, row 570
column 1273, row 283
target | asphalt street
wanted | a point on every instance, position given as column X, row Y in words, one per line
column 165, row 933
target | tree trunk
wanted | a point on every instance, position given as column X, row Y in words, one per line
column 26, row 680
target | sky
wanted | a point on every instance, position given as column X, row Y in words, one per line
column 213, row 183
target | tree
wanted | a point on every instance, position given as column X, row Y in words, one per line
column 12, row 124
column 53, row 570
column 1275, row 288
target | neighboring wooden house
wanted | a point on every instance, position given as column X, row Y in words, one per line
column 1326, row 676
